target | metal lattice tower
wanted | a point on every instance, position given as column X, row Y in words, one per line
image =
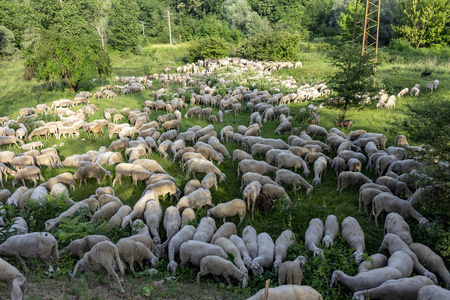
column 366, row 30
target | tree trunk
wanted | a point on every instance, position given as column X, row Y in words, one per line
column 344, row 110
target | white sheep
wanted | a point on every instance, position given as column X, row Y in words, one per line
column 209, row 181
column 103, row 256
column 199, row 197
column 347, row 178
column 50, row 224
column 265, row 257
column 354, row 165
column 403, row 92
column 331, row 231
column 289, row 177
column 251, row 193
column 313, row 236
column 428, row 258
column 255, row 166
column 131, row 251
column 31, row 245
column 230, row 248
column 226, row 230
column 249, row 236
column 193, row 252
column 28, row 173
column 228, row 209
column 218, row 266
column 375, row 261
column 202, row 166
column 430, row 87
column 153, row 215
column 185, row 234
column 353, row 234
column 172, row 222
column 117, row 219
column 139, row 207
column 205, row 230
column 187, row 215
column 289, row 160
column 435, row 84
column 240, row 155
column 250, row 177
column 106, row 211
column 282, row 244
column 366, row 196
column 191, row 186
column 397, row 225
column 338, row 165
column 320, row 166
column 78, row 247
column 14, row 280
column 291, row 272
column 239, row 243
column 433, row 292
column 288, row 292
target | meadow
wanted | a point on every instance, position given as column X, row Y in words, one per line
column 396, row 72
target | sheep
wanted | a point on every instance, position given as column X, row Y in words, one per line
column 347, row 178
column 288, row 292
column 8, row 140
column 260, row 167
column 187, row 215
column 125, row 169
column 403, row 288
column 375, row 261
column 59, row 190
column 209, row 181
column 199, row 197
column 226, row 230
column 14, row 199
column 228, row 209
column 430, row 86
column 102, row 256
column 229, row 247
column 153, row 215
column 404, row 166
column 185, row 234
column 290, row 160
column 51, row 223
column 320, row 166
column 433, row 292
column 401, row 141
column 28, row 173
column 205, row 230
column 251, row 193
column 316, row 130
column 117, row 218
column 366, row 197
column 331, row 231
column 291, row 272
column 131, row 251
column 20, row 162
column 313, row 236
column 265, row 256
column 4, row 195
column 191, row 186
column 249, row 237
column 400, row 265
column 139, row 207
column 275, row 191
column 164, row 187
column 107, row 211
column 390, row 203
column 393, row 243
column 382, row 188
column 220, row 148
column 295, row 179
column 218, row 266
column 4, row 170
column 282, row 244
column 286, row 126
column 396, row 224
column 18, row 226
column 250, row 176
column 6, row 157
column 431, row 260
column 92, row 170
column 77, row 248
column 14, row 280
column 354, row 165
column 338, row 165
column 201, row 166
column 194, row 251
column 415, row 91
column 172, row 222
column 353, row 234
column 31, row 245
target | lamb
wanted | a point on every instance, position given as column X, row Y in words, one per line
column 172, row 222
column 430, row 87
column 403, row 289
column 102, row 256
column 366, row 197
column 185, row 234
column 400, row 265
column 375, row 261
column 199, row 197
column 390, row 203
column 331, row 231
column 31, row 245
column 131, row 251
column 77, row 248
column 353, row 234
column 205, row 230
column 433, row 292
column 4, row 170
column 218, row 266
column 14, row 280
column 313, row 236
column 28, row 173
column 347, row 178
column 397, row 225
column 251, row 193
column 228, row 209
column 194, row 251
column 428, row 258
column 295, row 179
column 51, row 223
column 290, row 160
column 201, row 166
column 260, row 167
column 226, row 230
column 282, row 244
column 320, row 166
column 288, row 292
column 291, row 272
column 153, row 215
column 265, row 256
column 393, row 243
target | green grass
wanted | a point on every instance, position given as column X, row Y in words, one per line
column 394, row 75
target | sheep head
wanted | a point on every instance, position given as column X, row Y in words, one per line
column 327, row 241
column 172, row 266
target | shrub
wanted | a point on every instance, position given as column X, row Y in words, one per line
column 271, row 45
column 208, row 47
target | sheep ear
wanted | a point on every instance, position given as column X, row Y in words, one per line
column 16, row 291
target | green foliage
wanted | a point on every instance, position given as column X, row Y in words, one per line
column 208, row 47
column 425, row 22
column 71, row 58
column 8, row 48
column 271, row 45
column 239, row 16
column 346, row 21
column 124, row 29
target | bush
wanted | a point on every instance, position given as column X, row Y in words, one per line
column 208, row 47
column 271, row 45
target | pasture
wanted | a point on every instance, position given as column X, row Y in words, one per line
column 393, row 75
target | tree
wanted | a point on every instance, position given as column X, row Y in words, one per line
column 425, row 22
column 71, row 58
column 239, row 16
column 353, row 76
column 124, row 29
column 8, row 48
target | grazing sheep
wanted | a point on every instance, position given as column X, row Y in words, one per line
column 230, row 248
column 289, row 177
column 375, row 261
column 103, row 256
column 106, row 211
column 397, row 225
column 251, row 193
column 404, row 166
column 228, row 209
column 320, row 166
column 255, row 166
column 393, row 243
column 431, row 260
column 172, row 222
column 313, row 236
column 331, row 231
column 249, row 236
column 131, row 251
column 316, row 130
column 402, row 289
column 265, row 256
column 401, row 141
column 338, row 165
column 31, row 245
column 77, row 248
column 225, row 230
column 199, row 197
column 205, row 230
column 164, row 187
column 403, row 92
column 50, row 224
column 288, row 292
column 366, row 197
column 390, row 203
column 209, row 181
column 203, row 166
column 20, row 162
column 433, row 292
column 28, row 173
column 194, row 251
column 353, row 234
column 14, row 280
column 250, row 176
column 187, row 215
column 347, row 178
column 289, row 160
column 153, row 215
column 282, row 244
column 275, row 191
column 139, row 207
column 191, row 186
column 185, row 234
column 218, row 266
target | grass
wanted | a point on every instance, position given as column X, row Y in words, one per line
column 393, row 75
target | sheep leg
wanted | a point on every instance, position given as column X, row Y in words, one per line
column 22, row 262
column 112, row 273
